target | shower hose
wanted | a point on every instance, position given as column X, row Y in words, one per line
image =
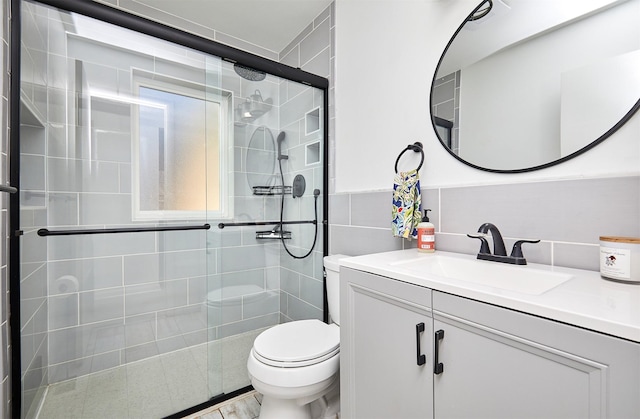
column 316, row 193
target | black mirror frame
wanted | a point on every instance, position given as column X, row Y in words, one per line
column 584, row 149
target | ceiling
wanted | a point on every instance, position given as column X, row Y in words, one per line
column 271, row 24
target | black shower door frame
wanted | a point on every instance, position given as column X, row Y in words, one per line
column 148, row 27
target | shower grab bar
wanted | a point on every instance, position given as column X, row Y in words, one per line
column 46, row 232
column 7, row 188
column 263, row 223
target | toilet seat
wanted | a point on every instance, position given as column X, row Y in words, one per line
column 297, row 344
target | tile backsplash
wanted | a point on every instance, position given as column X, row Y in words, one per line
column 568, row 216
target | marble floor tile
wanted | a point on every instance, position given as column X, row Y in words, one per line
column 246, row 406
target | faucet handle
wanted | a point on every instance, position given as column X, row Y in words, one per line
column 516, row 252
column 484, row 244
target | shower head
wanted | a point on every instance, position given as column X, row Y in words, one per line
column 279, row 141
column 249, row 73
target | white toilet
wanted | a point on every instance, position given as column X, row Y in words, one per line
column 295, row 365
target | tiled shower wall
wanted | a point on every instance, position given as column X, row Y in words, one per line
column 568, row 216
column 313, row 51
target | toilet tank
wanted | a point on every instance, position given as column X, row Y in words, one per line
column 332, row 268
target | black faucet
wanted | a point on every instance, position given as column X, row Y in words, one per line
column 499, row 251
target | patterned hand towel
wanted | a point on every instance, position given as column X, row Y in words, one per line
column 406, row 205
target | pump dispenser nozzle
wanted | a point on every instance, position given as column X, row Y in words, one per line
column 426, row 217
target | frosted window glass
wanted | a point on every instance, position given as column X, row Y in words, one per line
column 179, row 153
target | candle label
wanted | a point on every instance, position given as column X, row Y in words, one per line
column 615, row 263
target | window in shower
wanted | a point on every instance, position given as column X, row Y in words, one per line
column 180, row 148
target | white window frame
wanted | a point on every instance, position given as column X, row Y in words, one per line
column 225, row 165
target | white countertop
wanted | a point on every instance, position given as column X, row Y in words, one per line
column 586, row 300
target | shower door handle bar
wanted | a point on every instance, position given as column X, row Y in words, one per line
column 46, row 232
column 7, row 188
column 263, row 223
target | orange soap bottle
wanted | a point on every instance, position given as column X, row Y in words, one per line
column 426, row 235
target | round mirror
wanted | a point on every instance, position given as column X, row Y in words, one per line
column 526, row 84
column 261, row 160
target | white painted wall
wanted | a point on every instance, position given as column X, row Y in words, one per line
column 386, row 53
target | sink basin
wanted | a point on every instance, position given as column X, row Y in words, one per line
column 523, row 279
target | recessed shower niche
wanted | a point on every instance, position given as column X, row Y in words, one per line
column 312, row 153
column 312, row 121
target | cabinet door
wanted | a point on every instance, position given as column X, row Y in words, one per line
column 498, row 363
column 382, row 323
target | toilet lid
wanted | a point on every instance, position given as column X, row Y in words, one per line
column 298, row 343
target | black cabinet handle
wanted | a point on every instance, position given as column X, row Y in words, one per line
column 421, row 359
column 438, row 367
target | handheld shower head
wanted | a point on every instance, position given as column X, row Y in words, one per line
column 279, row 141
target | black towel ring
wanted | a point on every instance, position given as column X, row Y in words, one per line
column 417, row 147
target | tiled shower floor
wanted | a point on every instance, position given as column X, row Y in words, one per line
column 154, row 387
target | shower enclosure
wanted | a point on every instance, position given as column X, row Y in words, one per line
column 152, row 212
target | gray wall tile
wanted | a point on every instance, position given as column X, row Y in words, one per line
column 371, row 209
column 311, row 290
column 91, row 274
column 315, row 42
column 290, row 282
column 243, row 258
column 140, row 329
column 100, row 209
column 184, row 264
column 32, row 140
column 34, row 178
column 113, row 146
column 545, row 210
column 320, row 64
column 181, row 321
column 260, row 304
column 248, row 325
column 227, row 311
column 63, row 209
column 63, row 311
column 581, row 256
column 555, row 212
column 355, row 241
column 34, row 285
column 139, row 269
column 300, row 310
column 65, row 175
column 152, row 297
column 96, row 306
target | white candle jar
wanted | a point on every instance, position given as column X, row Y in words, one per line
column 620, row 258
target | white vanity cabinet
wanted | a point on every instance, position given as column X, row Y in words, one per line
column 381, row 375
column 495, row 362
column 500, row 363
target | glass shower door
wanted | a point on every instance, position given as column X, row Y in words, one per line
column 123, row 168
column 278, row 140
column 172, row 209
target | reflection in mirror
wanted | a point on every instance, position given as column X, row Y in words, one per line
column 533, row 83
column 261, row 160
